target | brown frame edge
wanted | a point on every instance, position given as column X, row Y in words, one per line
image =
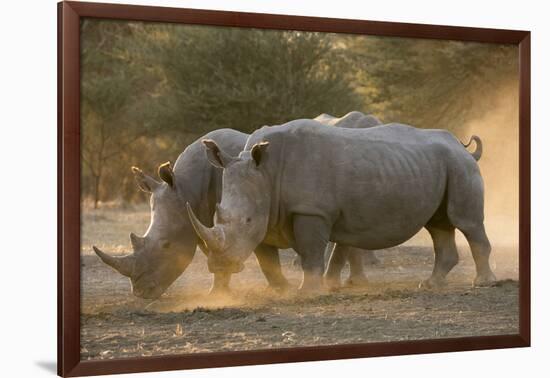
column 68, row 227
column 287, row 355
column 69, row 14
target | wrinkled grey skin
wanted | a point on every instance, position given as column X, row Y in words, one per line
column 298, row 185
column 169, row 244
column 336, row 256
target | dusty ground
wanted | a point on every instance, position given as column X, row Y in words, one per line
column 115, row 324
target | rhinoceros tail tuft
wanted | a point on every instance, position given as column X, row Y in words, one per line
column 479, row 147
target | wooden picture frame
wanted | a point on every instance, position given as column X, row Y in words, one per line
column 69, row 17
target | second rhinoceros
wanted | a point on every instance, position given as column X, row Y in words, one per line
column 299, row 186
column 169, row 244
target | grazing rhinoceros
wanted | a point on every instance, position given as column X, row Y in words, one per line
column 169, row 244
column 299, row 185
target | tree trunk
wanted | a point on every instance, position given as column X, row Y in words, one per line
column 97, row 179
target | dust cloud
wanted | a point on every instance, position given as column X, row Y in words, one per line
column 499, row 164
column 498, row 128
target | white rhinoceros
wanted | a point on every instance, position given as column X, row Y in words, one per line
column 300, row 186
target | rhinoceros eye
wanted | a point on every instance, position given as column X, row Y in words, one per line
column 166, row 245
column 248, row 220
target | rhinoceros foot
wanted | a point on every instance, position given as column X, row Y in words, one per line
column 432, row 283
column 312, row 287
column 332, row 283
column 219, row 292
column 281, row 287
column 483, row 280
column 359, row 281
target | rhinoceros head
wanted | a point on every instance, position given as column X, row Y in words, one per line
column 167, row 247
column 241, row 219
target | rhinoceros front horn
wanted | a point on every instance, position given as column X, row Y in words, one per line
column 124, row 265
column 213, row 237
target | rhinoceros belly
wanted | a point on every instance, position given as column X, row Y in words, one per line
column 383, row 225
column 391, row 203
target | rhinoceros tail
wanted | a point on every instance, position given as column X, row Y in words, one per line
column 479, row 147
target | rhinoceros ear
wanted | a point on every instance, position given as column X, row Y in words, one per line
column 166, row 173
column 215, row 155
column 145, row 183
column 257, row 151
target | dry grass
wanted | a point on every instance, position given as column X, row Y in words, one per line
column 109, row 227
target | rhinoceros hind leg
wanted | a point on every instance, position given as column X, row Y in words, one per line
column 357, row 277
column 446, row 255
column 270, row 264
column 356, row 282
column 465, row 210
column 369, row 258
column 481, row 249
column 311, row 236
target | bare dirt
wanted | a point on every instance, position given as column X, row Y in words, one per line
column 115, row 324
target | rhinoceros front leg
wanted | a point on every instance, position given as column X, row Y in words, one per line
column 311, row 236
column 220, row 285
column 268, row 259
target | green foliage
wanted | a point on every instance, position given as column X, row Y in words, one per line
column 115, row 89
column 149, row 89
column 430, row 83
column 244, row 79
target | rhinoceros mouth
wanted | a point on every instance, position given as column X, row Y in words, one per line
column 151, row 290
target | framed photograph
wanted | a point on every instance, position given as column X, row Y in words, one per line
column 239, row 188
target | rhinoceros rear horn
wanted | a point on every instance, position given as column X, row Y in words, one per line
column 214, row 237
column 124, row 265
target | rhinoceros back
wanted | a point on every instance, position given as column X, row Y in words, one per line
column 352, row 120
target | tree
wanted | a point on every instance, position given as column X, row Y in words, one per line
column 429, row 83
column 114, row 90
column 244, row 79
